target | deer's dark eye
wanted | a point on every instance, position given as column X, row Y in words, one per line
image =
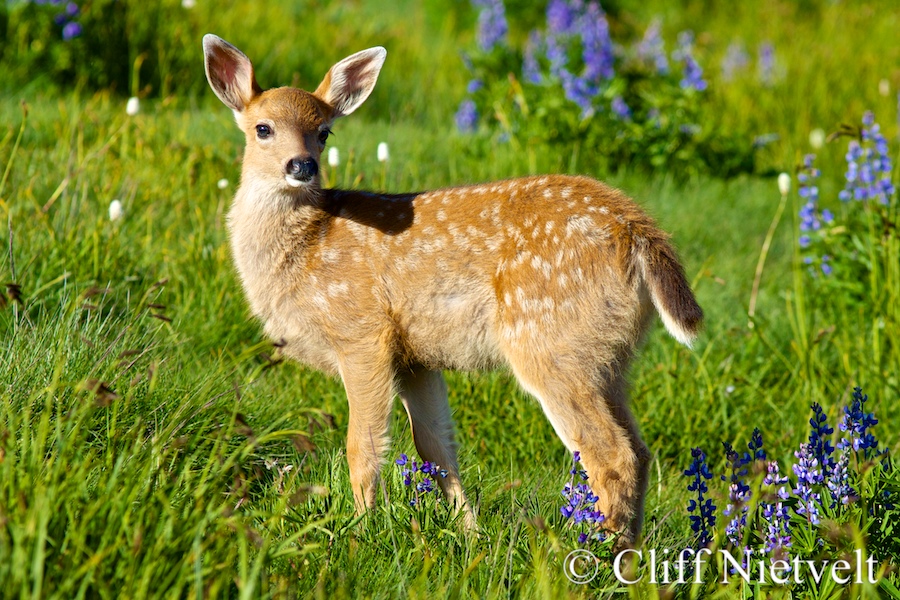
column 263, row 131
column 323, row 136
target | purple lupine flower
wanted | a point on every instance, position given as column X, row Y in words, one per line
column 560, row 17
column 704, row 521
column 778, row 527
column 765, row 139
column 819, row 442
column 738, row 495
column 755, row 446
column 71, row 30
column 766, row 63
column 556, row 54
column 811, row 218
column 474, row 86
column 597, row 49
column 620, row 108
column 735, row 59
column 693, row 73
column 492, row 25
column 869, row 165
column 424, row 476
column 809, row 478
column 652, row 50
column 531, row 70
column 72, row 9
column 856, row 423
column 580, row 91
column 467, row 116
column 580, row 504
column 838, row 482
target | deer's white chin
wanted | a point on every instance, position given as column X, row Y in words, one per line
column 293, row 182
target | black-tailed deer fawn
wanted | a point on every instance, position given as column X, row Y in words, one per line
column 554, row 278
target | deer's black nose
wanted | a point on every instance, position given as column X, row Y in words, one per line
column 303, row 169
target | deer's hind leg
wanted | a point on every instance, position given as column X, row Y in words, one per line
column 590, row 414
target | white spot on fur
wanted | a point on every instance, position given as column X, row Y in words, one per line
column 331, row 255
column 580, row 224
column 338, row 289
column 320, row 301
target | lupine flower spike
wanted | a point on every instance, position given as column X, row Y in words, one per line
column 421, row 478
column 492, row 26
column 739, row 493
column 809, row 478
column 579, row 507
column 703, row 522
column 693, row 73
column 775, row 513
column 651, row 49
column 868, row 165
column 811, row 218
column 856, row 424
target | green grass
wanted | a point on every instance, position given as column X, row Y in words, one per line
column 144, row 428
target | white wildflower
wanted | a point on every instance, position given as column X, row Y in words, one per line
column 222, row 183
column 383, row 154
column 784, row 184
column 334, row 157
column 884, row 88
column 816, row 138
column 133, row 106
column 115, row 210
column 188, row 4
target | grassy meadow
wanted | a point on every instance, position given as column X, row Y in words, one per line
column 152, row 444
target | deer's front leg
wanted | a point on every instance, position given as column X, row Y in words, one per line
column 368, row 377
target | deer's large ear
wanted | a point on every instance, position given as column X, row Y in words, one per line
column 349, row 83
column 229, row 73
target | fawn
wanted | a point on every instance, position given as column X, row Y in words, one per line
column 553, row 277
